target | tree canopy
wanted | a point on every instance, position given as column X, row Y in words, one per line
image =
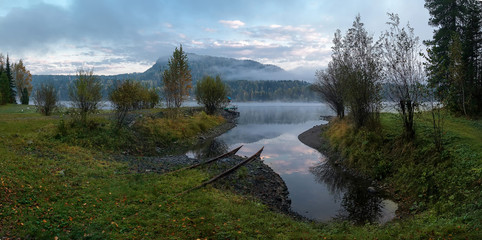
column 458, row 26
column 403, row 70
column 177, row 79
column 85, row 93
column 212, row 93
column 23, row 81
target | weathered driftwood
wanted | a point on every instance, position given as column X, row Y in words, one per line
column 234, row 151
column 227, row 172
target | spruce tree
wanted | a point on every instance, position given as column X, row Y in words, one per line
column 11, row 83
column 4, row 89
column 2, row 64
column 456, row 19
column 474, row 50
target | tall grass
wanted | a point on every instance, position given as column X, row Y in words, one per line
column 425, row 181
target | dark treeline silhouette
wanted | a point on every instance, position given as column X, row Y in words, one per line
column 240, row 90
column 285, row 90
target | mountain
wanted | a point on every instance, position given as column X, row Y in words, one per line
column 227, row 68
column 245, row 78
column 200, row 65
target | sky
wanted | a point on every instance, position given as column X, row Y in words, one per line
column 125, row 36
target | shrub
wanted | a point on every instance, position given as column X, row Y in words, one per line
column 212, row 93
column 152, row 98
column 131, row 95
column 46, row 99
column 85, row 93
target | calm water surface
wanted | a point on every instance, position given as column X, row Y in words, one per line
column 318, row 190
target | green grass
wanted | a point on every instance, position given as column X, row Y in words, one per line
column 50, row 187
column 147, row 135
column 442, row 187
column 53, row 186
column 17, row 108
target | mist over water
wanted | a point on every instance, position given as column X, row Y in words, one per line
column 318, row 189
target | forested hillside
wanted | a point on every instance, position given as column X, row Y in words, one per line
column 248, row 80
column 239, row 90
column 227, row 68
column 284, row 90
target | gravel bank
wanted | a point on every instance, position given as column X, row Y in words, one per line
column 254, row 179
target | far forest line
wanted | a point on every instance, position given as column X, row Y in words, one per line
column 239, row 90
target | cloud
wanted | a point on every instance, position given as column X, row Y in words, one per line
column 98, row 31
column 235, row 24
column 211, row 30
column 110, row 29
column 298, row 49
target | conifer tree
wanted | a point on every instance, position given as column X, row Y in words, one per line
column 462, row 19
column 2, row 63
column 11, row 83
column 4, row 89
column 177, row 79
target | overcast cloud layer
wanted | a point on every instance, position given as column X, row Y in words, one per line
column 121, row 36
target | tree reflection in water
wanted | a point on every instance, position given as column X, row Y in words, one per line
column 209, row 149
column 358, row 204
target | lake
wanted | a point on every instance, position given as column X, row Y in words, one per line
column 318, row 189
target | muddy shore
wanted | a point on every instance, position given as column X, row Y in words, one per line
column 312, row 137
column 255, row 179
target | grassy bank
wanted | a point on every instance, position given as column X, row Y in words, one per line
column 150, row 132
column 441, row 189
column 73, row 188
column 70, row 185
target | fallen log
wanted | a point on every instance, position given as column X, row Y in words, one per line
column 234, row 151
column 227, row 172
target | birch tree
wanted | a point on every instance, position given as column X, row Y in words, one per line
column 403, row 70
column 23, row 81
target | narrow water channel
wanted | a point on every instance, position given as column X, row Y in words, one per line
column 318, row 190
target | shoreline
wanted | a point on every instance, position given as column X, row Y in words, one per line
column 254, row 180
column 312, row 137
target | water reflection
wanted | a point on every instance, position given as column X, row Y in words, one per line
column 358, row 204
column 317, row 191
column 251, row 133
column 209, row 149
